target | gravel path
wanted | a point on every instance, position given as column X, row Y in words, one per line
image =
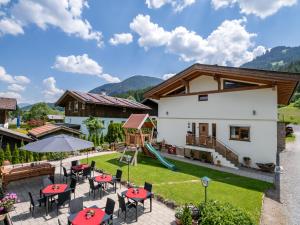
column 290, row 179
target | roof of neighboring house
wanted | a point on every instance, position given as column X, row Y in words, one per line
column 8, row 103
column 149, row 100
column 91, row 98
column 286, row 82
column 137, row 121
column 55, row 117
column 15, row 134
column 48, row 129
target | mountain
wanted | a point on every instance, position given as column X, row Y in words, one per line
column 22, row 105
column 51, row 105
column 275, row 58
column 132, row 83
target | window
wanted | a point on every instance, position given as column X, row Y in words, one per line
column 239, row 133
column 75, row 106
column 70, row 105
column 124, row 110
column 202, row 98
column 229, row 84
column 83, row 106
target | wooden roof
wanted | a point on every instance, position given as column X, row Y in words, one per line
column 137, row 121
column 286, row 82
column 50, row 128
column 91, row 98
column 8, row 103
column 15, row 134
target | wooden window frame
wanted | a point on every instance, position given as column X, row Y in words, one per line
column 240, row 129
column 83, row 106
column 70, row 106
column 76, row 106
column 202, row 96
column 244, row 84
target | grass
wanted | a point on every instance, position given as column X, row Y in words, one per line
column 183, row 186
column 289, row 114
column 20, row 130
column 290, row 138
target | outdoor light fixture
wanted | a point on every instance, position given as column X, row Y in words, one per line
column 128, row 160
column 205, row 182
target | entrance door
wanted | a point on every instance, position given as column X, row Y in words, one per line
column 214, row 133
column 203, row 133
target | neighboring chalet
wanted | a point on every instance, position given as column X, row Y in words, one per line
column 6, row 105
column 153, row 104
column 230, row 113
column 12, row 138
column 49, row 130
column 79, row 106
column 56, row 118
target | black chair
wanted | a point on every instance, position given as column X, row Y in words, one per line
column 94, row 187
column 67, row 175
column 124, row 207
column 34, row 203
column 46, row 182
column 74, row 163
column 147, row 187
column 116, row 179
column 93, row 164
column 76, row 205
column 72, row 185
column 62, row 199
column 86, row 173
column 109, row 209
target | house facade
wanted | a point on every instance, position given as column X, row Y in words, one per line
column 228, row 112
column 6, row 105
column 80, row 106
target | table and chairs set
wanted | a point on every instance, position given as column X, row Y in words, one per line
column 60, row 195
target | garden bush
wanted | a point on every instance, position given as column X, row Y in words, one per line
column 186, row 218
column 217, row 213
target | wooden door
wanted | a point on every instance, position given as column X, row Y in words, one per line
column 203, row 133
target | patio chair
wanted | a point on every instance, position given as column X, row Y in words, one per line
column 76, row 205
column 116, row 179
column 109, row 210
column 86, row 173
column 46, row 182
column 93, row 164
column 34, row 203
column 124, row 207
column 67, row 175
column 147, row 187
column 72, row 185
column 62, row 199
column 74, row 163
column 94, row 187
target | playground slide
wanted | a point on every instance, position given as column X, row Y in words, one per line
column 156, row 153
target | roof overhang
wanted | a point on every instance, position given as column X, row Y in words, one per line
column 286, row 82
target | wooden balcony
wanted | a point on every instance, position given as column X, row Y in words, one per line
column 202, row 141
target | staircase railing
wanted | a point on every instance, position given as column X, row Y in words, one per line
column 214, row 143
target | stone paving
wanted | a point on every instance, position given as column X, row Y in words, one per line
column 160, row 214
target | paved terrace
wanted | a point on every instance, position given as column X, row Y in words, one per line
column 160, row 215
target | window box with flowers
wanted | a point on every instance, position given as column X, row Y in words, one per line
column 7, row 202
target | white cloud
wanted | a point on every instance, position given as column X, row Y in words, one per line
column 51, row 92
column 167, row 76
column 7, row 78
column 123, row 38
column 177, row 5
column 261, row 8
column 63, row 14
column 229, row 44
column 259, row 50
column 22, row 80
column 11, row 94
column 82, row 64
column 16, row 88
column 4, row 2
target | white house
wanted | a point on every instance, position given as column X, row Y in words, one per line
column 229, row 112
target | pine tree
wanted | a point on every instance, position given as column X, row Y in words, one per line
column 7, row 153
column 29, row 156
column 102, row 138
column 35, row 156
column 22, row 155
column 1, row 156
column 15, row 155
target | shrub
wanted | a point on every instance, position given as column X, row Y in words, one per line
column 186, row 218
column 7, row 153
column 29, row 156
column 22, row 154
column 115, row 133
column 1, row 156
column 15, row 156
column 216, row 213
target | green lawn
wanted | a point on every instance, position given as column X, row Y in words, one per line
column 242, row 192
column 290, row 138
column 289, row 114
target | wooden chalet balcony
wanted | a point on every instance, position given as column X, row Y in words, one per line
column 213, row 143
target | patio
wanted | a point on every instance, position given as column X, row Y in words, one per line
column 160, row 213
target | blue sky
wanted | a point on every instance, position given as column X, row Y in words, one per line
column 48, row 46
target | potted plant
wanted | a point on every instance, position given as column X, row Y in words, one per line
column 7, row 203
column 247, row 161
column 178, row 215
column 186, row 218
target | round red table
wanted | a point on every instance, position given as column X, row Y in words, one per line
column 80, row 167
column 81, row 217
column 103, row 178
column 136, row 193
column 52, row 191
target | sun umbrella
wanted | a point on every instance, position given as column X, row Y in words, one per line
column 59, row 143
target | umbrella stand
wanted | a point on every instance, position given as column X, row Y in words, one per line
column 60, row 166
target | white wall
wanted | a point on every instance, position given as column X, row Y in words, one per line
column 83, row 129
column 203, row 83
column 225, row 109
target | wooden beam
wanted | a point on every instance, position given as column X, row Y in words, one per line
column 186, row 84
column 223, row 91
column 217, row 78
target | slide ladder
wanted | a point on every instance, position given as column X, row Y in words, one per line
column 156, row 153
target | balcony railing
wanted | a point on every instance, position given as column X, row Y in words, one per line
column 212, row 142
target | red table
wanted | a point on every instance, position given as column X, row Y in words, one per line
column 80, row 167
column 103, row 178
column 53, row 189
column 82, row 219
